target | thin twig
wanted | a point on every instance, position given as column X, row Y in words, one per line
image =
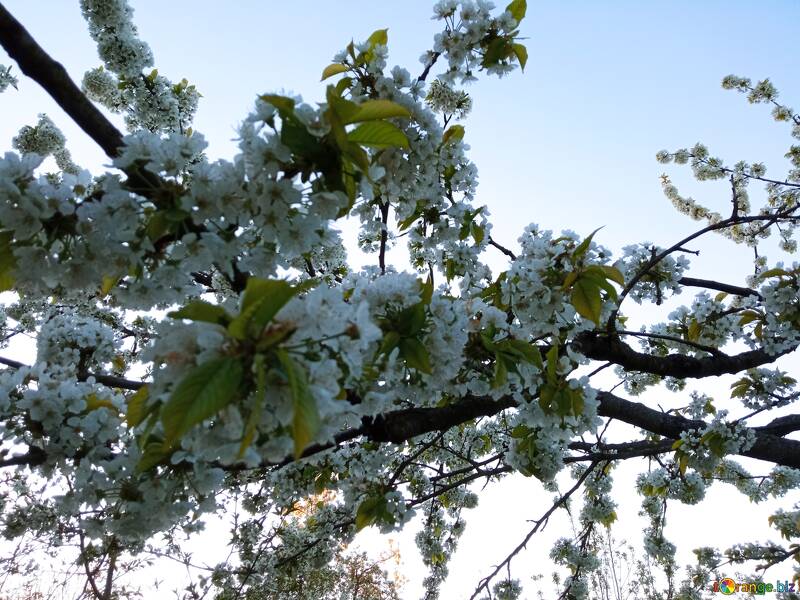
column 484, row 583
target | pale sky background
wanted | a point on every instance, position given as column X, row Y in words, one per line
column 568, row 144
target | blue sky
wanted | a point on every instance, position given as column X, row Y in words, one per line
column 570, row 143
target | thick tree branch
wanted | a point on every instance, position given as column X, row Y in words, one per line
column 612, row 349
column 34, row 62
column 402, row 425
column 107, row 380
column 768, row 446
column 34, row 456
column 720, row 287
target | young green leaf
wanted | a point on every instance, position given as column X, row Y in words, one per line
column 586, row 299
column 380, row 36
column 517, row 8
column 521, row 53
column 106, row 286
column 370, row 511
column 154, row 454
column 415, row 354
column 258, row 401
column 136, row 410
column 375, row 110
column 583, row 247
column 454, row 132
column 206, row 390
column 284, row 104
column 333, row 69
column 8, row 261
column 261, row 301
column 500, row 376
column 306, row 420
column 552, row 363
column 613, row 273
column 200, row 310
column 378, row 134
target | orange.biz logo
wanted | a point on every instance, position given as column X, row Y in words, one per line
column 729, row 586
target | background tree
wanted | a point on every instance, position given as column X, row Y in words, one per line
column 278, row 372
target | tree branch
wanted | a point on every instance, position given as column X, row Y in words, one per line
column 502, row 249
column 610, row 348
column 720, row 287
column 767, row 446
column 34, row 62
column 107, row 380
column 484, row 583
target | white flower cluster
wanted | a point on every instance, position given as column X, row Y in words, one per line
column 706, row 447
column 7, row 79
column 150, row 102
column 468, row 24
column 565, row 552
column 45, row 139
column 533, row 287
column 661, row 279
column 448, row 101
column 781, row 306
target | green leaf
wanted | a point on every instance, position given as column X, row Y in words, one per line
column 527, row 352
column 333, row 69
column 563, row 400
column 357, row 155
column 578, row 402
column 415, row 354
column 497, row 50
column 284, row 104
column 370, row 511
column 154, row 454
column 107, row 284
column 693, row 331
column 683, row 462
column 597, row 276
column 478, row 232
column 522, row 54
column 454, row 132
column 380, row 36
column 571, row 277
column 375, row 110
column 378, row 134
column 306, row 420
column 586, row 299
column 720, row 297
column 552, row 363
column 8, row 261
column 157, row 226
column 341, row 108
column 136, row 411
column 200, row 310
column 613, row 273
column 295, row 136
column 774, row 273
column 426, row 290
column 261, row 301
column 389, row 343
column 517, row 8
column 411, row 319
column 749, row 316
column 500, row 372
column 343, row 84
column 583, row 247
column 258, row 401
column 545, row 397
column 207, row 389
